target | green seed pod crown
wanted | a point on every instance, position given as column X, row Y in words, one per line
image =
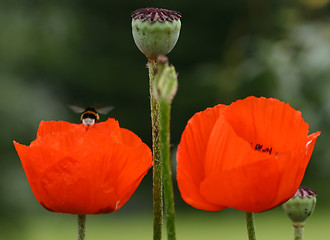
column 155, row 31
column 301, row 205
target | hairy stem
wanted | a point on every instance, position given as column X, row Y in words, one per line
column 81, row 227
column 157, row 165
column 165, row 113
column 250, row 226
column 298, row 229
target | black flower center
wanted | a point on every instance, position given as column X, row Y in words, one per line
column 155, row 14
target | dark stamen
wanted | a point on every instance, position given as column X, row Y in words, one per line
column 267, row 150
column 260, row 147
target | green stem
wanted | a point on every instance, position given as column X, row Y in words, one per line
column 250, row 226
column 157, row 165
column 298, row 229
column 81, row 227
column 165, row 114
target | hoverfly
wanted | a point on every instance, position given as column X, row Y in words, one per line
column 90, row 115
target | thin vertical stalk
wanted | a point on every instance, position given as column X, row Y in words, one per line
column 298, row 229
column 250, row 226
column 81, row 227
column 157, row 165
column 165, row 115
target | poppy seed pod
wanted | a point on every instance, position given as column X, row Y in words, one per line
column 301, row 205
column 155, row 31
column 81, row 169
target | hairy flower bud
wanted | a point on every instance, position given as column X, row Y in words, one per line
column 301, row 205
column 166, row 82
column 155, row 31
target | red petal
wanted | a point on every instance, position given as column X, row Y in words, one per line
column 240, row 177
column 51, row 127
column 191, row 154
column 27, row 158
column 97, row 183
column 134, row 163
column 129, row 138
column 85, row 171
column 246, row 188
column 237, row 176
column 109, row 128
column 293, row 172
column 269, row 122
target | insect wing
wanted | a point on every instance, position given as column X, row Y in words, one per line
column 105, row 110
column 76, row 109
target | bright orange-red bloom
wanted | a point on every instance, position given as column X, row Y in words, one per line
column 78, row 169
column 250, row 155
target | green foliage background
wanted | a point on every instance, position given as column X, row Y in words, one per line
column 57, row 53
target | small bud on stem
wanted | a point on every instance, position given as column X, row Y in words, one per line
column 166, row 84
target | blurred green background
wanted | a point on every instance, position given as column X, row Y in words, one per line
column 58, row 53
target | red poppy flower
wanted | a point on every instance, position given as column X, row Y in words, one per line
column 250, row 155
column 78, row 169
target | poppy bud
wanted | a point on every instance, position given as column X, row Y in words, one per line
column 301, row 205
column 155, row 31
column 166, row 83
